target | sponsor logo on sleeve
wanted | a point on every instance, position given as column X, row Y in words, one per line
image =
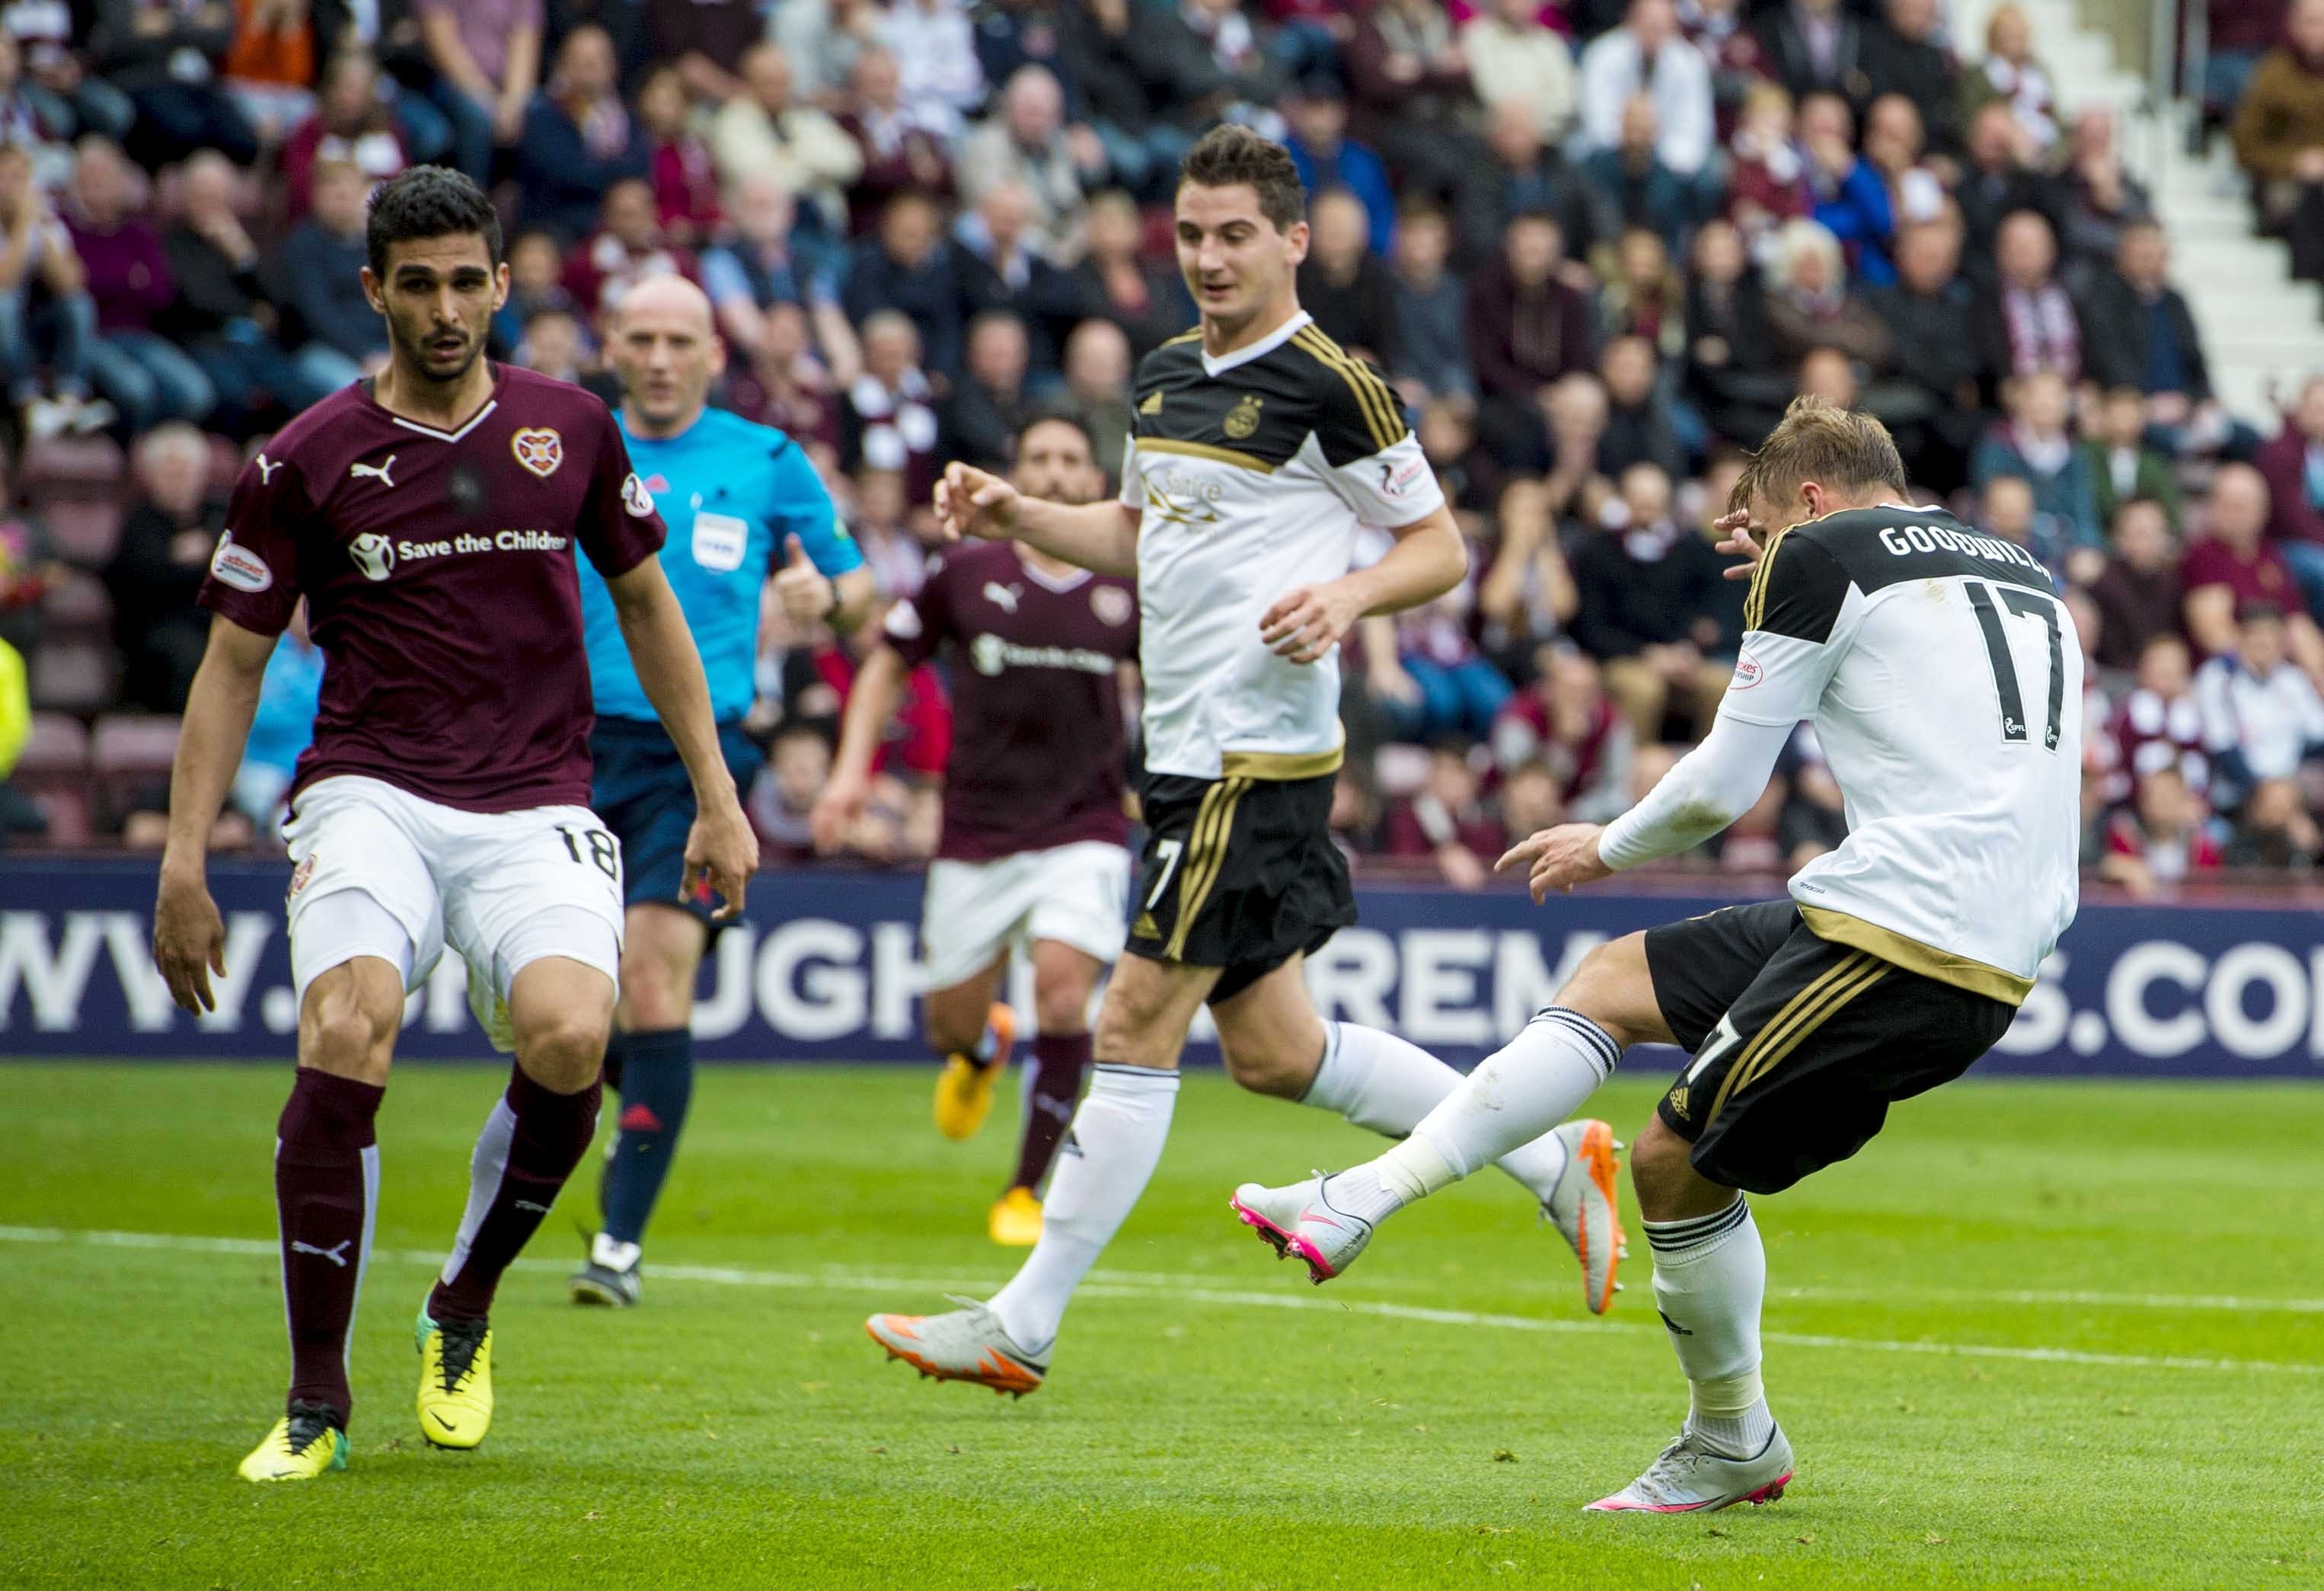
column 1397, row 479
column 634, row 495
column 904, row 621
column 540, row 450
column 1748, row 672
column 237, row 566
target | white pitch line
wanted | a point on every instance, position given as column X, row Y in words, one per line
column 1197, row 1290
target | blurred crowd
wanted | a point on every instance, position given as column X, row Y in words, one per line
column 1595, row 246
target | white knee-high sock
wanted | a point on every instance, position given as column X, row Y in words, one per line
column 1388, row 1086
column 1110, row 1152
column 1710, row 1276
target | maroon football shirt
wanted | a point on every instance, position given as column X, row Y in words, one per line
column 1037, row 745
column 438, row 573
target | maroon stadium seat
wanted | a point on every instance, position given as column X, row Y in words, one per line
column 93, row 464
column 130, row 753
column 54, row 772
column 87, row 530
column 79, row 610
column 72, row 676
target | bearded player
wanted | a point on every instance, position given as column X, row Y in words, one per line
column 429, row 517
column 745, row 510
column 1260, row 448
column 1032, row 857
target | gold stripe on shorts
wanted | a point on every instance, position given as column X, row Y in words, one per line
column 1793, row 1009
column 1858, row 980
column 1206, row 854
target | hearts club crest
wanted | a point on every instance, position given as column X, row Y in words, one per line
column 539, row 449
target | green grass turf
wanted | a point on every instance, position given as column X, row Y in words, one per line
column 746, row 1433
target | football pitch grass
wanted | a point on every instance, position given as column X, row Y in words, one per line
column 2035, row 1335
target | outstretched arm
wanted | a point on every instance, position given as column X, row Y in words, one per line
column 722, row 848
column 1101, row 537
column 189, row 936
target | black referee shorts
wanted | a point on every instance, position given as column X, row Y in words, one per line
column 1799, row 1044
column 1239, row 874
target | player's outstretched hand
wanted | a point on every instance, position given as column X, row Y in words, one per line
column 836, row 812
column 722, row 851
column 189, row 939
column 1307, row 620
column 971, row 502
column 805, row 591
column 1736, row 540
column 1559, row 858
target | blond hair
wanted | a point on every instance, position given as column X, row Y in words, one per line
column 1817, row 441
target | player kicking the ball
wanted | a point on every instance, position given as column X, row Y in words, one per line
column 742, row 504
column 1260, row 448
column 430, row 518
column 1945, row 683
column 1032, row 855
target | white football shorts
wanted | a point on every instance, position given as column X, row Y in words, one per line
column 971, row 911
column 503, row 889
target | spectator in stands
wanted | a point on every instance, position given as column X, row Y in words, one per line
column 222, row 316
column 19, row 813
column 31, row 117
column 1001, row 269
column 888, row 420
column 788, row 386
column 2142, row 334
column 627, row 248
column 2005, row 508
column 2279, row 136
column 144, row 376
column 701, row 42
column 1028, row 145
column 685, row 178
column 29, row 571
column 1527, row 597
column 1409, row 86
column 1638, row 421
column 823, row 40
column 1514, row 58
column 767, row 132
column 2292, row 464
column 536, row 283
column 899, row 151
column 486, row 56
column 990, row 405
column 1643, row 296
column 1645, row 190
column 1098, row 390
column 350, row 123
column 2159, row 839
column 1427, row 679
column 166, row 57
column 2123, row 467
column 798, row 765
column 1647, row 586
column 1717, row 31
column 1729, row 373
column 556, row 344
column 2138, row 594
column 60, row 82
column 1325, row 157
column 1528, row 801
column 1466, row 470
column 1522, row 175
column 1999, row 181
column 1895, row 146
column 2035, row 444
column 1013, row 34
column 319, row 269
column 912, row 269
column 1808, row 304
column 1148, row 301
column 1908, row 56
column 1815, row 47
column 2231, row 570
column 2262, row 720
column 1932, row 325
column 281, row 727
column 1527, row 328
column 1432, row 346
column 1646, row 56
column 44, row 308
column 2010, row 76
column 166, row 541
column 754, row 266
column 1567, row 723
column 1346, row 287
column 2031, row 324
column 1446, row 821
column 1244, row 79
column 578, row 140
column 2098, row 199
column 2237, row 35
column 2159, row 721
column 1851, row 197
column 935, row 55
column 1767, row 172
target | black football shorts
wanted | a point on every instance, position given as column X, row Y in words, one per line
column 1799, row 1044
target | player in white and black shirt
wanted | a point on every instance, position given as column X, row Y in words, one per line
column 1944, row 681
column 1260, row 448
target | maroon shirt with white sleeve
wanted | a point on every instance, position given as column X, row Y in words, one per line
column 1036, row 741
column 438, row 569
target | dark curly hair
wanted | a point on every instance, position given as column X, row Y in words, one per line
column 1228, row 154
column 428, row 202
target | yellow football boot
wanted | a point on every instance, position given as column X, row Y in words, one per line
column 304, row 1444
column 964, row 1087
column 1016, row 1221
column 455, row 1380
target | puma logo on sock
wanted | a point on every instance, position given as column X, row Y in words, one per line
column 337, row 1254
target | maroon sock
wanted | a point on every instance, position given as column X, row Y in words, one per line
column 1059, row 1060
column 326, row 1186
column 530, row 1144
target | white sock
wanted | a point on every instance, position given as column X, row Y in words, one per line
column 1383, row 1083
column 1710, row 1275
column 1109, row 1153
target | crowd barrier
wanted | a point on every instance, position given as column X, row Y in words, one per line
column 823, row 967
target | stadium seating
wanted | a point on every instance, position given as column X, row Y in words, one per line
column 54, row 771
